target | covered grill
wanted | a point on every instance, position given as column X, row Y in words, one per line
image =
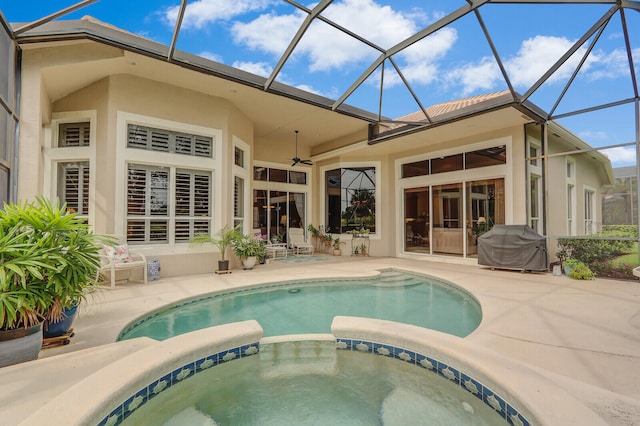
column 513, row 247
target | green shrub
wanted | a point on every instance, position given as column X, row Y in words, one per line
column 578, row 270
column 589, row 250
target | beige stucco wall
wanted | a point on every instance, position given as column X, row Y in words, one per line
column 127, row 93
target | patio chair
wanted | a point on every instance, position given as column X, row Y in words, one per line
column 298, row 243
column 118, row 258
column 275, row 251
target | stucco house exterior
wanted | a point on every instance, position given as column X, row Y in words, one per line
column 155, row 150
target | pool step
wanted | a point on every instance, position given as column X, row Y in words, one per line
column 396, row 279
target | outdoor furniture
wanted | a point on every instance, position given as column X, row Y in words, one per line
column 276, row 251
column 298, row 243
column 119, row 258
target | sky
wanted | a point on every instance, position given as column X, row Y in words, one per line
column 455, row 62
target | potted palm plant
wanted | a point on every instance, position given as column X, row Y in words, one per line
column 222, row 240
column 248, row 249
column 48, row 262
column 336, row 246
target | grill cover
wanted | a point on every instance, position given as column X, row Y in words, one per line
column 513, row 247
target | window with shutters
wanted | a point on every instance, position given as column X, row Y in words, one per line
column 73, row 186
column 69, row 158
column 153, row 217
column 160, row 140
column 238, row 201
column 74, row 134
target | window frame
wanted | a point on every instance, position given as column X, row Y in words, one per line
column 589, row 212
column 571, row 196
column 287, row 187
column 55, row 155
column 534, row 170
column 377, row 165
column 241, row 172
column 174, row 162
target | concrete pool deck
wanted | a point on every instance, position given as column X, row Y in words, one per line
column 582, row 336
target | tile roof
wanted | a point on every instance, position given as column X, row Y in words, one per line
column 451, row 106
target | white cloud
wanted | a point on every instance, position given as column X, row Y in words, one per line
column 326, row 47
column 590, row 135
column 269, row 33
column 612, row 65
column 622, row 156
column 538, row 54
column 211, row 56
column 262, row 69
column 483, row 75
column 199, row 13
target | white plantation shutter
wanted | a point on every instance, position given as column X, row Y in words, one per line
column 150, row 212
column 160, row 140
column 73, row 179
column 147, row 199
column 74, row 134
column 192, row 207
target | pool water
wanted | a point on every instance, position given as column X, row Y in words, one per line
column 312, row 383
column 309, row 307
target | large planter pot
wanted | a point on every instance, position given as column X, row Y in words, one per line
column 62, row 327
column 20, row 344
column 249, row 262
column 223, row 265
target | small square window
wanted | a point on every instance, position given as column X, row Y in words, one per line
column 238, row 157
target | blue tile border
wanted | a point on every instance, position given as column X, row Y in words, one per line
column 499, row 405
column 502, row 408
column 167, row 380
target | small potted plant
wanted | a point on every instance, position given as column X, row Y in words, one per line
column 336, row 246
column 363, row 249
column 223, row 240
column 248, row 249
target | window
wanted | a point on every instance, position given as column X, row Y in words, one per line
column 449, row 163
column 351, row 199
column 535, row 203
column 73, row 186
column 150, row 212
column 418, row 168
column 589, row 224
column 152, row 139
column 270, row 174
column 238, row 157
column 485, row 157
column 571, row 196
column 496, row 155
column 74, row 134
column 570, row 209
column 238, row 201
column 193, row 204
column 69, row 154
column 534, row 151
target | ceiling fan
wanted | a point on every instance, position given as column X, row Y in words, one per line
column 297, row 159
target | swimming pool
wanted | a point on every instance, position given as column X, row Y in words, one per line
column 309, row 306
column 311, row 383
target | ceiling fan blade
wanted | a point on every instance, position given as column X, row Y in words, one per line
column 307, row 162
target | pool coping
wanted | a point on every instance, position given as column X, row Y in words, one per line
column 129, row 382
